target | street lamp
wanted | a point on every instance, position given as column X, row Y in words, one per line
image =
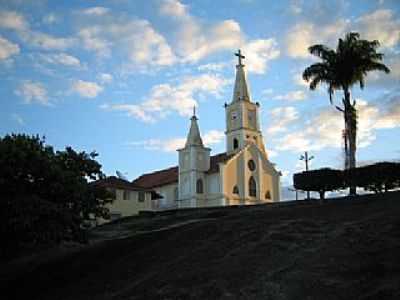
column 306, row 159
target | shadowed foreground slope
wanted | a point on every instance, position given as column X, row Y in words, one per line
column 342, row 249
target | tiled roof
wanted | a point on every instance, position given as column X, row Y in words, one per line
column 115, row 182
column 170, row 175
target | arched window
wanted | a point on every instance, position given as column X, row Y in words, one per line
column 235, row 143
column 267, row 195
column 199, row 186
column 251, row 164
column 252, row 187
column 235, row 190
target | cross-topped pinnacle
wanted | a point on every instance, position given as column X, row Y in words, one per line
column 194, row 112
column 240, row 57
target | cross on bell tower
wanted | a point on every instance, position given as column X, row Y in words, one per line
column 240, row 57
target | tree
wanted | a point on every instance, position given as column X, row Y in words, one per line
column 340, row 69
column 379, row 177
column 46, row 196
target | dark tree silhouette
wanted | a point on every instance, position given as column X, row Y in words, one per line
column 340, row 69
column 45, row 195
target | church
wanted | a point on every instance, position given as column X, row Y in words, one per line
column 242, row 175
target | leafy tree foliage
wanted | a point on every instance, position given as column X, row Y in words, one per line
column 46, row 196
column 340, row 69
column 320, row 181
column 380, row 177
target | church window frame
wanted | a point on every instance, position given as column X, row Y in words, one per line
column 235, row 143
column 268, row 195
column 252, row 187
column 251, row 165
column 199, row 186
column 235, row 190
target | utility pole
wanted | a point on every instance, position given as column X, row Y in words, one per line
column 306, row 159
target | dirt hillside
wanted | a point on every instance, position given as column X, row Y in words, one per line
column 342, row 249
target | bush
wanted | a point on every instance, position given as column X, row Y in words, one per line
column 380, row 177
column 45, row 196
column 320, row 181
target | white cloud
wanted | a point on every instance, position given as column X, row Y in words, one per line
column 325, row 128
column 213, row 137
column 210, row 138
column 292, row 96
column 135, row 40
column 7, row 48
column 95, row 11
column 87, row 89
column 47, row 41
column 281, row 117
column 196, row 39
column 166, row 98
column 214, row 67
column 196, row 42
column 62, row 59
column 380, row 25
column 32, row 92
column 12, row 20
column 305, row 34
column 259, row 53
column 173, row 8
column 105, row 78
column 93, row 40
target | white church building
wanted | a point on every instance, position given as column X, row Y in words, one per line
column 241, row 175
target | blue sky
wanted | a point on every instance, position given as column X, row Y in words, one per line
column 121, row 77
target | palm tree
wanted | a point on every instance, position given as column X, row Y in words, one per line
column 340, row 69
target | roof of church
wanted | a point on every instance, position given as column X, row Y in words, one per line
column 119, row 183
column 170, row 175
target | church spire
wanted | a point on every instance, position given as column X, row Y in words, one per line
column 194, row 138
column 241, row 90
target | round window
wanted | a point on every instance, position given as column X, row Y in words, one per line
column 252, row 165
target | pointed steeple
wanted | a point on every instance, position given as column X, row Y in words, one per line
column 241, row 90
column 194, row 138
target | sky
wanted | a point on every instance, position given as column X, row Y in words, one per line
column 121, row 77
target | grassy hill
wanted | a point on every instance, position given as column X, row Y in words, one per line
column 342, row 249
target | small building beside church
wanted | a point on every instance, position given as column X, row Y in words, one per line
column 243, row 174
column 128, row 198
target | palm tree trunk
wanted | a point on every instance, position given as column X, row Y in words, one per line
column 350, row 119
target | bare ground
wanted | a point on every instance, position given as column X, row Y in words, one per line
column 342, row 249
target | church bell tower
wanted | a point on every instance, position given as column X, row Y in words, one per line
column 194, row 161
column 242, row 115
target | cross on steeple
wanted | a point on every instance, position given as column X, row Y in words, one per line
column 240, row 56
